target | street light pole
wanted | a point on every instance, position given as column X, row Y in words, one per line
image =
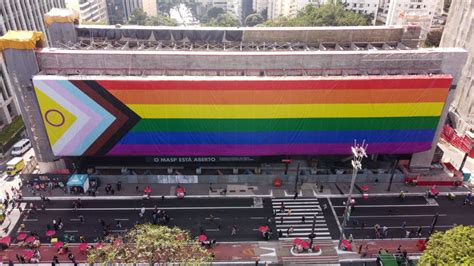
column 433, row 224
column 312, row 235
column 359, row 152
column 297, row 177
column 392, row 174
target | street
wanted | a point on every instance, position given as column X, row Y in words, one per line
column 400, row 217
column 189, row 214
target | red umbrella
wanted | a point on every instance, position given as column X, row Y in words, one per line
column 28, row 254
column 364, row 188
column 202, row 238
column 147, row 190
column 50, row 233
column 21, row 236
column 434, row 191
column 58, row 244
column 30, row 239
column 263, row 228
column 297, row 241
column 304, row 244
column 7, row 240
column 83, row 247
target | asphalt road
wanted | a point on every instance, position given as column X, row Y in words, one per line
column 391, row 212
column 189, row 214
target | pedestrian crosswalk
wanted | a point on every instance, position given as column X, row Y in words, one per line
column 291, row 216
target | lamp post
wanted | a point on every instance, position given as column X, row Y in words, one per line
column 297, row 177
column 312, row 235
column 359, row 152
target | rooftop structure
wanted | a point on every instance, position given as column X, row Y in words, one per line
column 159, row 91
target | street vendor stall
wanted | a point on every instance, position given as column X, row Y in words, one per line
column 78, row 183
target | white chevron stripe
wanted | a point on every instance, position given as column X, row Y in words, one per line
column 81, row 117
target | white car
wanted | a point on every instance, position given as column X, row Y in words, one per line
column 21, row 147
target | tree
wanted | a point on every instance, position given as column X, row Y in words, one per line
column 332, row 13
column 453, row 247
column 433, row 38
column 214, row 12
column 160, row 20
column 253, row 19
column 151, row 244
column 223, row 20
column 138, row 17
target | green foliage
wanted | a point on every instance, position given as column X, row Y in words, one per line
column 223, row 20
column 253, row 19
column 330, row 14
column 138, row 17
column 453, row 247
column 433, row 38
column 214, row 12
column 160, row 20
column 10, row 130
column 151, row 244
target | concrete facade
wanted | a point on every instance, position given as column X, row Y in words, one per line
column 337, row 51
column 90, row 10
column 459, row 32
column 19, row 15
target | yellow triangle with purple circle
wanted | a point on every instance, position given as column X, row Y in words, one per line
column 57, row 119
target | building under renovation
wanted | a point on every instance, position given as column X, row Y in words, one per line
column 164, row 93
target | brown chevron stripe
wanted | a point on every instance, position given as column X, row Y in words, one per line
column 114, row 128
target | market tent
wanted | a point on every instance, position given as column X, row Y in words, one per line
column 78, row 180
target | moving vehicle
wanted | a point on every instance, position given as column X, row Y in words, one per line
column 21, row 147
column 15, row 165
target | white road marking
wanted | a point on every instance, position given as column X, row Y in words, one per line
column 389, row 206
column 75, row 220
column 385, row 216
column 71, row 231
column 165, row 208
column 292, row 200
column 30, row 220
column 257, row 218
column 213, row 230
column 122, row 219
column 300, row 225
column 426, row 227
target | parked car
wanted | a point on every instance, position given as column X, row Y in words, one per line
column 21, row 147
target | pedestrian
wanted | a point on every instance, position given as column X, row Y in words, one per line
column 302, row 219
column 18, row 257
column 162, row 198
column 118, row 225
column 211, row 218
column 360, row 249
column 280, row 233
column 81, row 219
column 10, row 263
column 282, row 207
column 70, row 256
column 119, row 186
column 234, row 230
column 56, row 259
column 405, row 254
column 289, row 231
column 418, row 232
column 385, row 231
column 362, row 225
column 289, row 212
column 402, row 195
column 102, row 222
column 295, row 196
column 112, row 191
column 142, row 210
column 407, row 234
column 281, row 219
column 137, row 189
column 404, row 225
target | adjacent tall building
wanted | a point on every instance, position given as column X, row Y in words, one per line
column 459, row 32
column 19, row 15
column 90, row 10
column 119, row 11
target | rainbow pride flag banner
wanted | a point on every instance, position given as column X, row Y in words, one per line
column 240, row 116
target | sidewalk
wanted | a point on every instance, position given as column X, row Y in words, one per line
column 330, row 190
